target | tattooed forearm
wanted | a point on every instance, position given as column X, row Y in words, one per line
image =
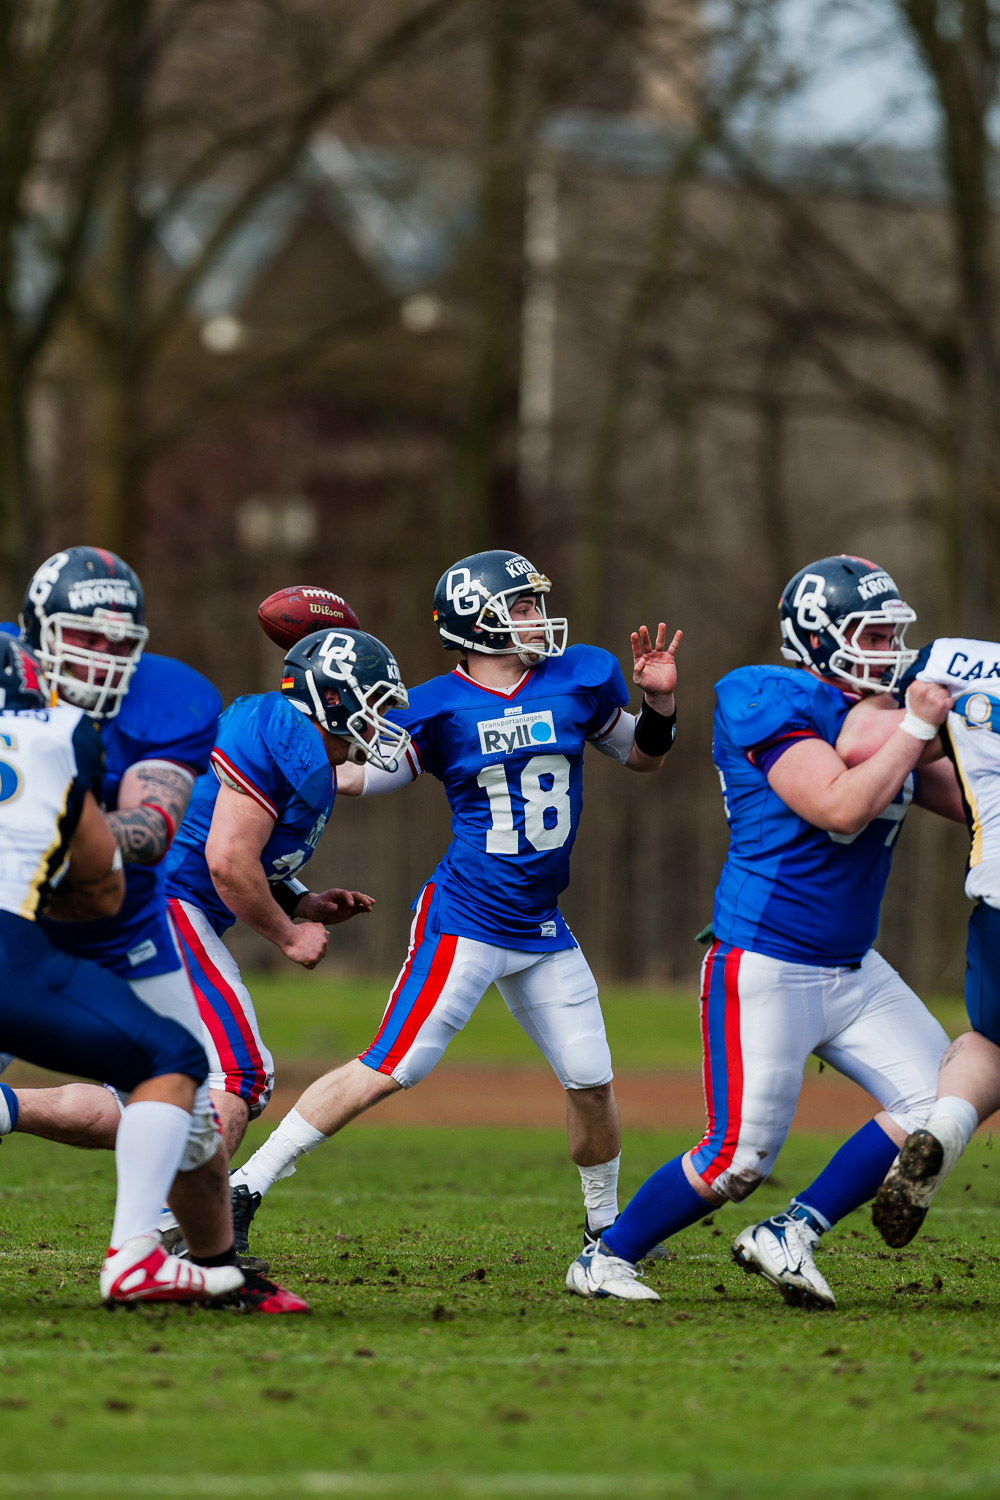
column 152, row 801
column 142, row 834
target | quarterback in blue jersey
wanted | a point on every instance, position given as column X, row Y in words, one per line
column 83, row 614
column 255, row 819
column 791, row 970
column 505, row 732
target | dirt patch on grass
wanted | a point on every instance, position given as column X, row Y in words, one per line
column 491, row 1095
column 531, row 1096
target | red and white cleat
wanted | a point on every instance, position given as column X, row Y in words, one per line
column 260, row 1295
column 142, row 1271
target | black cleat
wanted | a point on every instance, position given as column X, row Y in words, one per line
column 245, row 1205
column 902, row 1201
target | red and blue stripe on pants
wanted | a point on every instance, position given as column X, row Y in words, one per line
column 415, row 993
column 722, row 1062
column 222, row 1014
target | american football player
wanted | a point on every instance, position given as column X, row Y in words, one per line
column 791, row 970
column 969, row 1080
column 58, row 853
column 83, row 614
column 255, row 819
column 505, row 731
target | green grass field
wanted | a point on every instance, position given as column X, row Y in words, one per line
column 444, row 1358
column 323, row 1015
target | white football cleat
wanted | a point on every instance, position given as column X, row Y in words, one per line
column 781, row 1250
column 926, row 1158
column 142, row 1271
column 597, row 1273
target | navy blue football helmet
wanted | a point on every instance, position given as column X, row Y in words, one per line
column 22, row 685
column 472, row 608
column 831, row 601
column 82, row 616
column 361, row 674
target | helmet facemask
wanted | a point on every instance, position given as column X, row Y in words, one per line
column 502, row 633
column 866, row 671
column 388, row 742
column 91, row 679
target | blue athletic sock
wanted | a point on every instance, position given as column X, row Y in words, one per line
column 8, row 1109
column 852, row 1177
column 665, row 1203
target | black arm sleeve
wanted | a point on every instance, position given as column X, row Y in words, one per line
column 288, row 893
column 654, row 733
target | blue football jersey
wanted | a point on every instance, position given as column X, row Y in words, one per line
column 512, row 768
column 789, row 889
column 170, row 712
column 274, row 754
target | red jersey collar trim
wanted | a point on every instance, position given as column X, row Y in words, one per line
column 460, row 671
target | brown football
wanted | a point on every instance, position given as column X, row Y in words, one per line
column 292, row 613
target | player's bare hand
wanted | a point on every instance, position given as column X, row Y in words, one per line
column 307, row 944
column 333, row 906
column 654, row 668
column 929, row 701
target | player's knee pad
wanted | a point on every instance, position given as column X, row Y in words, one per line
column 585, row 1061
column 421, row 1059
column 205, row 1136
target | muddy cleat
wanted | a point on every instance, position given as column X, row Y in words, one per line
column 924, row 1162
column 781, row 1250
column 598, row 1273
column 245, row 1205
column 258, row 1295
column 142, row 1271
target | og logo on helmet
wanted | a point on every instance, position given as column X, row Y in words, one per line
column 810, row 602
column 338, row 655
column 47, row 575
column 463, row 593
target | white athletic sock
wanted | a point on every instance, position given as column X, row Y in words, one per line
column 960, row 1111
column 276, row 1159
column 600, row 1192
column 151, row 1141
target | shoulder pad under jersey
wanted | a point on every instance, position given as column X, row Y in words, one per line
column 757, row 704
column 169, row 710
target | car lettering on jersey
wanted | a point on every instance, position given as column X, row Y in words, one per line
column 956, row 668
column 525, row 732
